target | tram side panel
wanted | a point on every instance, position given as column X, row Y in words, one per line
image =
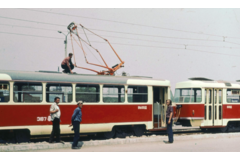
column 191, row 114
column 95, row 117
column 230, row 112
column 193, row 111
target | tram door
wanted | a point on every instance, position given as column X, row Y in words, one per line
column 217, row 107
column 213, row 107
column 159, row 115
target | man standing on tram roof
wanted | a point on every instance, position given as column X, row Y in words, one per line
column 76, row 119
column 67, row 64
column 169, row 115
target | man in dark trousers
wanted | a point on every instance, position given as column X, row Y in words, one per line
column 169, row 115
column 76, row 119
column 55, row 118
column 67, row 64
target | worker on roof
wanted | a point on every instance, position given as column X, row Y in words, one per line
column 67, row 64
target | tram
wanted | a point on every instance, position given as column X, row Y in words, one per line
column 111, row 103
column 208, row 104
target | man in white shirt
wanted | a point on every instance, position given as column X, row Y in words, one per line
column 55, row 117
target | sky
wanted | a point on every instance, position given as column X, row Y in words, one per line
column 163, row 43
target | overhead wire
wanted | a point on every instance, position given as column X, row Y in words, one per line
column 122, row 32
column 11, row 25
column 143, row 25
column 127, row 44
column 29, row 35
column 134, row 38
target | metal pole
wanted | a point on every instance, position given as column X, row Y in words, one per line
column 158, row 112
column 65, row 42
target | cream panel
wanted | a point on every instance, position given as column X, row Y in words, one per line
column 205, row 84
column 5, row 77
column 84, row 128
column 148, row 82
column 11, row 93
column 150, row 94
column 74, row 93
column 224, row 121
column 44, row 92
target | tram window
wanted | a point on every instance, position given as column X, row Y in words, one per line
column 196, row 95
column 215, row 96
column 113, row 94
column 220, row 112
column 172, row 97
column 210, row 96
column 63, row 91
column 215, row 110
column 4, row 92
column 27, row 92
column 187, row 95
column 137, row 94
column 87, row 93
column 205, row 115
column 233, row 96
column 210, row 112
column 205, row 96
column 182, row 95
column 220, row 96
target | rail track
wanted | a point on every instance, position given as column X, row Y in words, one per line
column 93, row 137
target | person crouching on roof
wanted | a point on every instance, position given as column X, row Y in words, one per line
column 67, row 64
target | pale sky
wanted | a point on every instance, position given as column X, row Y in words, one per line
column 156, row 50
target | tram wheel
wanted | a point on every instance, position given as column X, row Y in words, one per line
column 203, row 129
column 138, row 130
column 22, row 136
column 109, row 135
column 225, row 129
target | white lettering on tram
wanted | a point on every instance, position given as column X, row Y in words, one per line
column 39, row 119
column 142, row 107
column 230, row 107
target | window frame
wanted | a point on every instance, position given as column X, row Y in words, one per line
column 8, row 89
column 60, row 84
column 191, row 95
column 99, row 93
column 123, row 86
column 147, row 93
column 38, row 92
column 227, row 89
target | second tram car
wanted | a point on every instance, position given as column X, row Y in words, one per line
column 208, row 104
column 111, row 103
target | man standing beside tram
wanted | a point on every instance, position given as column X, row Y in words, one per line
column 55, row 117
column 76, row 120
column 169, row 115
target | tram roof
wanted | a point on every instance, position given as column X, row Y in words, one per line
column 60, row 77
column 207, row 84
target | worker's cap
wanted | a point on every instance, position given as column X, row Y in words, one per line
column 81, row 102
column 70, row 54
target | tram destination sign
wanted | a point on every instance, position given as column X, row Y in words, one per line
column 235, row 92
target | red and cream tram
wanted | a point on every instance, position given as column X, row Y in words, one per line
column 111, row 103
column 208, row 104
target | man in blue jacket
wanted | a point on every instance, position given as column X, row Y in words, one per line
column 76, row 119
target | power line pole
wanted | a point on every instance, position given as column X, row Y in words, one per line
column 65, row 42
